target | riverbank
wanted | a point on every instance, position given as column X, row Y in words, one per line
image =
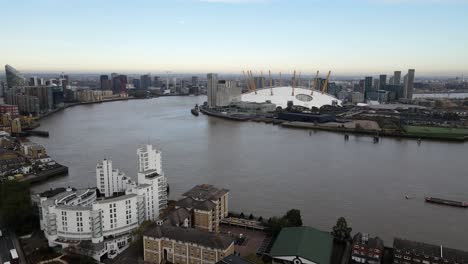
column 57, row 170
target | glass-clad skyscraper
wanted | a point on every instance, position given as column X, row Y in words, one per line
column 13, row 77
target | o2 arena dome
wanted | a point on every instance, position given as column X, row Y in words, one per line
column 281, row 96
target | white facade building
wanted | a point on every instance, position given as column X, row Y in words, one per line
column 109, row 180
column 95, row 224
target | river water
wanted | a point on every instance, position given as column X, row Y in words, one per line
column 270, row 169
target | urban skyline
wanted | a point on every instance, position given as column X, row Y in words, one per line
column 349, row 37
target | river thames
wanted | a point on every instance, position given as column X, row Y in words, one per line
column 269, row 169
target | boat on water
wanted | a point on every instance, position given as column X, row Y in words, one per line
column 195, row 111
column 446, row 202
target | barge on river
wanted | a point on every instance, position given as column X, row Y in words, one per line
column 446, row 202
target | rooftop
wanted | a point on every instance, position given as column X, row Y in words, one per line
column 281, row 96
column 189, row 202
column 306, row 242
column 372, row 242
column 176, row 217
column 191, row 235
column 454, row 255
column 205, row 192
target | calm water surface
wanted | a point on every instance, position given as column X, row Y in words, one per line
column 270, row 169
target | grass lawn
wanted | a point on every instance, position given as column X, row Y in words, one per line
column 437, row 132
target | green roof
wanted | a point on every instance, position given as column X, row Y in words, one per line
column 305, row 242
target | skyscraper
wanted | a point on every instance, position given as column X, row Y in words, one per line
column 409, row 84
column 396, row 78
column 145, row 81
column 368, row 86
column 382, row 82
column 212, row 87
column 194, row 81
column 13, row 77
column 104, row 79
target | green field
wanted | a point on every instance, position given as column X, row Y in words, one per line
column 436, row 132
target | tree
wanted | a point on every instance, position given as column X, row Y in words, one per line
column 251, row 217
column 15, row 207
column 242, row 215
column 260, row 219
column 341, row 231
column 293, row 217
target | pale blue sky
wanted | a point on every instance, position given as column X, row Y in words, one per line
column 345, row 36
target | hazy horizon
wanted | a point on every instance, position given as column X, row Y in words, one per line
column 348, row 37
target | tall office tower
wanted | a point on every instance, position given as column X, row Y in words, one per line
column 157, row 81
column 382, row 81
column 104, row 80
column 136, row 83
column 145, row 81
column 119, row 83
column 33, row 81
column 150, row 173
column 13, row 77
column 40, row 81
column 109, row 180
column 194, row 81
column 396, row 78
column 212, row 88
column 368, row 83
column 409, row 84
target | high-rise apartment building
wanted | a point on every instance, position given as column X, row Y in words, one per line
column 409, row 84
column 396, row 78
column 103, row 224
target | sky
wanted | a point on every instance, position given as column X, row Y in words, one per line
column 228, row 36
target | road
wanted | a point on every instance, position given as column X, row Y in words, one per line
column 6, row 244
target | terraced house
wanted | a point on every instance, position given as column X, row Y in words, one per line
column 185, row 245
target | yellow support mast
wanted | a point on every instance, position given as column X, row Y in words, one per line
column 246, row 81
column 325, row 84
column 271, row 84
column 293, row 82
column 253, row 82
column 315, row 84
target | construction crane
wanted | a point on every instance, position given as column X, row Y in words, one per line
column 293, row 82
column 315, row 83
column 271, row 84
column 325, row 84
column 246, row 81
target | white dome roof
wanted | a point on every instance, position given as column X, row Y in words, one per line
column 281, row 96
